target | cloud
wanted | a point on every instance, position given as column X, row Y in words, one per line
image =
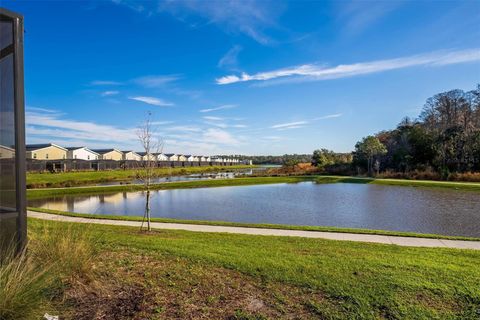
column 289, row 125
column 219, row 136
column 330, row 116
column 105, row 83
column 109, row 93
column 41, row 126
column 229, row 60
column 155, row 81
column 184, row 129
column 355, row 16
column 318, row 72
column 152, row 101
column 213, row 118
column 248, row 17
column 226, row 106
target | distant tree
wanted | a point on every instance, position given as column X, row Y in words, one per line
column 369, row 148
column 323, row 157
column 290, row 161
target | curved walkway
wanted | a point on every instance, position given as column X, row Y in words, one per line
column 396, row 240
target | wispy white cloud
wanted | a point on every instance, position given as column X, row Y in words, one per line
column 152, row 101
column 330, row 116
column 220, row 136
column 229, row 60
column 355, row 16
column 184, row 129
column 247, row 17
column 318, row 72
column 303, row 123
column 36, row 109
column 105, row 83
column 292, row 125
column 155, row 81
column 213, row 118
column 54, row 127
column 226, row 106
column 109, row 93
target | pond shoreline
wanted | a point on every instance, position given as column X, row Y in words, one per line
column 256, row 225
column 46, row 192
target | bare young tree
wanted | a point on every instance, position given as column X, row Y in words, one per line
column 152, row 145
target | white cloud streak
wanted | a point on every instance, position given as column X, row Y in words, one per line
column 105, row 83
column 156, row 81
column 289, row 125
column 109, row 93
column 318, row 72
column 226, row 106
column 152, row 101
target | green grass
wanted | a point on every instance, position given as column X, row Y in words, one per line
column 462, row 186
column 42, row 193
column 68, row 179
column 347, row 280
column 256, row 225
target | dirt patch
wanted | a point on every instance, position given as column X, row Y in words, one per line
column 142, row 287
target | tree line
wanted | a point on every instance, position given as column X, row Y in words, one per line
column 445, row 138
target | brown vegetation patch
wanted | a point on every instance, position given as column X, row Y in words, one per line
column 141, row 287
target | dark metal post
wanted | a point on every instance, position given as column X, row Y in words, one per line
column 16, row 48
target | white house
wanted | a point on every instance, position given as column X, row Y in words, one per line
column 182, row 158
column 162, row 157
column 171, row 156
column 190, row 158
column 131, row 155
column 202, row 159
column 145, row 157
column 82, row 153
column 208, row 159
column 109, row 154
column 6, row 152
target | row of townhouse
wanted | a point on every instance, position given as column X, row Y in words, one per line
column 52, row 151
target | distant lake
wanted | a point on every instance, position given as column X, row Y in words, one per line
column 439, row 211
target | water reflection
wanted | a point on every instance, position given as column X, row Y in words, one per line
column 447, row 212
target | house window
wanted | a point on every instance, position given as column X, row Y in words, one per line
column 46, row 156
column 34, row 156
column 75, row 156
column 88, row 157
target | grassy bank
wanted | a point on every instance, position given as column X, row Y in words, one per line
column 69, row 179
column 40, row 193
column 255, row 225
column 179, row 274
column 464, row 186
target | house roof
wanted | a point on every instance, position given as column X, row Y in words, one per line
column 33, row 147
column 78, row 148
column 170, row 154
column 102, row 151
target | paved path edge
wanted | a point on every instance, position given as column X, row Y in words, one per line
column 357, row 237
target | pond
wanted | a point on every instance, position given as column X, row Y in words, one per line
column 447, row 212
column 230, row 174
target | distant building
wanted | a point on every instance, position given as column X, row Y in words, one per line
column 131, row 155
column 82, row 153
column 48, row 151
column 190, row 158
column 182, row 158
column 6, row 152
column 171, row 156
column 145, row 157
column 109, row 154
column 161, row 157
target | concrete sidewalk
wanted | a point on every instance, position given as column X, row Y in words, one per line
column 396, row 240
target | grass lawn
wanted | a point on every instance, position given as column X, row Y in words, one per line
column 187, row 275
column 68, row 179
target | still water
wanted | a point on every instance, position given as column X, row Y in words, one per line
column 447, row 212
column 192, row 177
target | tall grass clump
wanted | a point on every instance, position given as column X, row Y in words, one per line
column 72, row 250
column 22, row 286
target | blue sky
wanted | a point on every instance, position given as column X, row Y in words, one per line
column 266, row 77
